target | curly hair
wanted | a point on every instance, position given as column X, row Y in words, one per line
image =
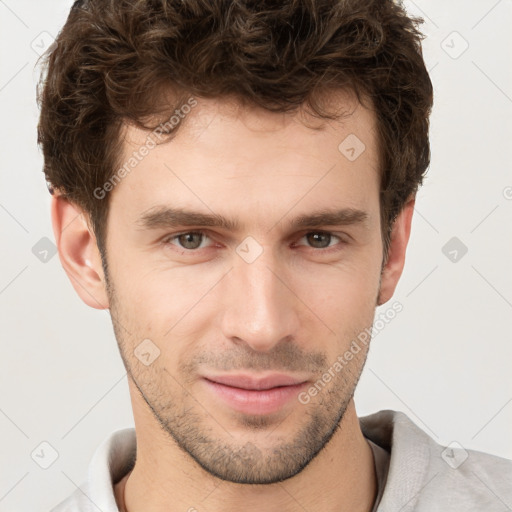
column 277, row 55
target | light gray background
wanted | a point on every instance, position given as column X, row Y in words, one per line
column 444, row 360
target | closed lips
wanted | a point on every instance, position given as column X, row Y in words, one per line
column 256, row 384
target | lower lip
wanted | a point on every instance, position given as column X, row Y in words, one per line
column 255, row 402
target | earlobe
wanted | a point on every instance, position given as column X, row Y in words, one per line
column 78, row 252
column 394, row 266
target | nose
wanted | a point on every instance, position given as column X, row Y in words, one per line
column 260, row 305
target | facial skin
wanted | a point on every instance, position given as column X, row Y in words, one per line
column 294, row 309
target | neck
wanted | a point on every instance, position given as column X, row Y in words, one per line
column 165, row 478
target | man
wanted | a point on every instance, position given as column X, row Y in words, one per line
column 235, row 182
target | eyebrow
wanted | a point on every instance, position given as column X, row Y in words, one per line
column 168, row 217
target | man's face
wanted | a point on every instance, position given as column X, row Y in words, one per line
column 268, row 295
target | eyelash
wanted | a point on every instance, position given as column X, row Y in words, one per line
column 325, row 250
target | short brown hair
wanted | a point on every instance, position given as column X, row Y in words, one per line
column 114, row 59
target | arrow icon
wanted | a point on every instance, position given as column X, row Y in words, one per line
column 249, row 249
column 146, row 352
column 454, row 45
column 44, row 250
column 351, row 147
column 454, row 249
column 44, row 455
column 454, row 458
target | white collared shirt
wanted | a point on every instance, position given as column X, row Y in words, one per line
column 414, row 472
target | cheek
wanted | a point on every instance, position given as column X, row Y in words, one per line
column 352, row 278
column 344, row 306
column 343, row 297
column 166, row 304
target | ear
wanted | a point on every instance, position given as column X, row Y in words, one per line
column 394, row 266
column 78, row 252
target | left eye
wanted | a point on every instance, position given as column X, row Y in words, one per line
column 320, row 239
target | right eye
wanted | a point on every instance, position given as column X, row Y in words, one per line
column 189, row 240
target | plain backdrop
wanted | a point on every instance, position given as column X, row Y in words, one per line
column 444, row 360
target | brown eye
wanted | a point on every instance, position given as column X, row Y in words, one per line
column 191, row 240
column 319, row 240
column 322, row 242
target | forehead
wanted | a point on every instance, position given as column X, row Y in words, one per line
column 255, row 124
column 233, row 159
column 202, row 121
